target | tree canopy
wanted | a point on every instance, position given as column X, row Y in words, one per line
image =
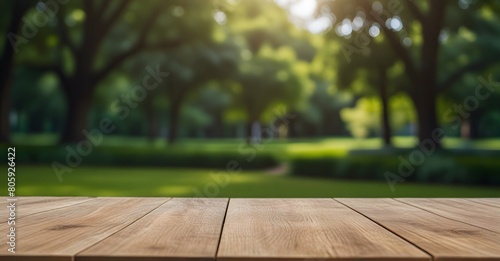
column 361, row 67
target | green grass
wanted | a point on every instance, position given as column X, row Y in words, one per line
column 112, row 181
column 338, row 144
column 125, row 181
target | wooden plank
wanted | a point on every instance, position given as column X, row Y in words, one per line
column 61, row 233
column 495, row 202
column 462, row 210
column 306, row 229
column 182, row 228
column 443, row 238
column 26, row 206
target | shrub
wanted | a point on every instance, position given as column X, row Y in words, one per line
column 147, row 157
column 438, row 168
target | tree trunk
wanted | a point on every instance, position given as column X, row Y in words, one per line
column 384, row 97
column 218, row 126
column 425, row 104
column 475, row 120
column 292, row 127
column 152, row 118
column 6, row 63
column 216, row 130
column 248, row 131
column 332, row 123
column 310, row 130
column 425, row 82
column 428, row 122
column 153, row 127
column 79, row 101
column 175, row 111
column 4, row 112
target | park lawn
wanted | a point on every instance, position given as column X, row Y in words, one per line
column 149, row 182
column 336, row 145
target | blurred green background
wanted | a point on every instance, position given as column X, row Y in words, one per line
column 251, row 98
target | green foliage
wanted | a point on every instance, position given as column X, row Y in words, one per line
column 456, row 168
column 255, row 55
column 364, row 120
column 148, row 157
column 45, row 100
column 269, row 78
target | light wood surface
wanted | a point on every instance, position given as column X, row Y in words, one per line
column 462, row 210
column 443, row 238
column 308, row 229
column 495, row 202
column 26, row 206
column 61, row 233
column 203, row 229
column 182, row 227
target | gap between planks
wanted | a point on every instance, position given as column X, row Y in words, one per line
column 459, row 210
column 222, row 228
column 27, row 206
column 386, row 228
column 340, row 201
column 443, row 238
column 307, row 229
column 492, row 202
column 75, row 227
column 193, row 226
column 147, row 213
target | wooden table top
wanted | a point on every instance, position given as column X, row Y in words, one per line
column 196, row 229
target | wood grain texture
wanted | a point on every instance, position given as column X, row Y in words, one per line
column 26, row 206
column 182, row 228
column 495, row 202
column 60, row 234
column 83, row 229
column 306, row 229
column 444, row 238
column 462, row 210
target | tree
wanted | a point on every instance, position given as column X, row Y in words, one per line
column 192, row 67
column 270, row 78
column 88, row 40
column 18, row 9
column 479, row 40
column 373, row 67
column 45, row 106
column 258, row 25
column 214, row 100
column 427, row 20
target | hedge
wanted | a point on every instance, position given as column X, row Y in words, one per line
column 437, row 168
column 115, row 156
